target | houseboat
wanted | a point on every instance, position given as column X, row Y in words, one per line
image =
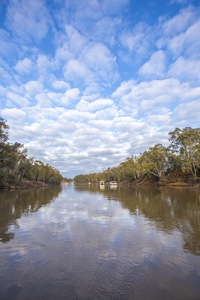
column 113, row 183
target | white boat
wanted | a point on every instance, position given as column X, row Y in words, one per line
column 113, row 183
column 102, row 182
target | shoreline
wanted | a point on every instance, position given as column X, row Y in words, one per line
column 193, row 183
column 24, row 185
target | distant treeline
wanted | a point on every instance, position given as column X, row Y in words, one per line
column 16, row 166
column 158, row 163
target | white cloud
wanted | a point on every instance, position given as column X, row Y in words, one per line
column 72, row 44
column 24, row 66
column 113, row 8
column 88, row 12
column 131, row 41
column 60, row 84
column 14, row 114
column 15, row 99
column 178, row 1
column 153, row 103
column 149, row 90
column 95, row 63
column 45, row 67
column 28, row 19
column 107, row 113
column 97, row 105
column 33, row 87
column 85, row 61
column 48, row 99
column 70, row 96
column 95, row 82
column 105, row 30
column 189, row 110
column 127, row 125
column 2, row 90
column 5, row 77
column 102, row 124
column 185, row 69
column 179, row 23
column 138, row 42
column 185, row 43
column 124, row 88
column 6, row 45
column 73, row 115
column 77, row 71
column 156, row 66
column 137, row 39
column 164, row 117
column 99, row 59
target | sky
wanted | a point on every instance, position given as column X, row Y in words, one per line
column 85, row 84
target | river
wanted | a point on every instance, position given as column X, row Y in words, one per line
column 91, row 243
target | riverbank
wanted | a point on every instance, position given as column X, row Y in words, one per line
column 23, row 185
column 174, row 180
column 195, row 183
column 150, row 182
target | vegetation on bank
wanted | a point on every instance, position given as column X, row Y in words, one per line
column 16, row 167
column 179, row 162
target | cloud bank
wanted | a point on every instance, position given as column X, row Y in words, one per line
column 85, row 84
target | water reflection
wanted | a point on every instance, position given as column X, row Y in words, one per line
column 169, row 209
column 101, row 244
column 14, row 204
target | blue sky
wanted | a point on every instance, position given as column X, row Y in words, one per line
column 85, row 84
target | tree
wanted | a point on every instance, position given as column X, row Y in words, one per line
column 3, row 131
column 3, row 147
column 155, row 160
column 15, row 164
column 186, row 143
column 130, row 169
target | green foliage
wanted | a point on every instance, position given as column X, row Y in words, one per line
column 183, row 154
column 15, row 165
column 155, row 160
column 131, row 169
column 186, row 144
column 3, row 131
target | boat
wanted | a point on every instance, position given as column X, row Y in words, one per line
column 102, row 182
column 113, row 183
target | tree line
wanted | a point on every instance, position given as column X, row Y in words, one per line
column 16, row 166
column 181, row 156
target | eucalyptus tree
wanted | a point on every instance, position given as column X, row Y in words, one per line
column 155, row 160
column 186, row 144
column 3, row 131
column 130, row 169
column 110, row 174
column 3, row 139
column 15, row 156
column 3, row 152
column 51, row 174
column 15, row 164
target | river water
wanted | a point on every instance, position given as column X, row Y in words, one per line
column 91, row 243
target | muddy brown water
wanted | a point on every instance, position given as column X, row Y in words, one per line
column 100, row 243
